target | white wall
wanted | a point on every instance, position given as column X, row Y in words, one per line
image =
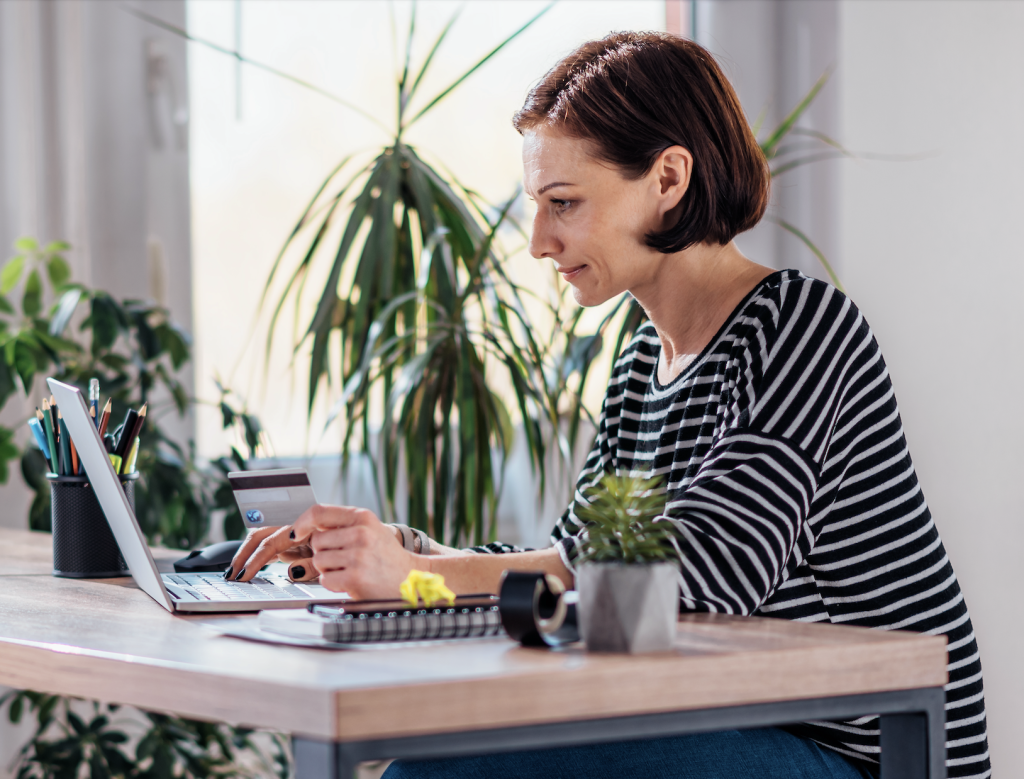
column 932, row 254
column 928, row 248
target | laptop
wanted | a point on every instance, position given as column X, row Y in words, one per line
column 190, row 592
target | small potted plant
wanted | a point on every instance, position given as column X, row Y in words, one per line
column 627, row 579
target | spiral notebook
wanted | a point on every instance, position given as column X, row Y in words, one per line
column 357, row 622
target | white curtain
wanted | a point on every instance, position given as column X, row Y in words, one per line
column 774, row 52
column 94, row 151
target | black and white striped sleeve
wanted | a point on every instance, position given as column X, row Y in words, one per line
column 737, row 524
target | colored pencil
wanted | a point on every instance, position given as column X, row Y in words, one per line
column 51, row 436
column 37, row 433
column 133, row 454
column 137, row 431
column 65, row 447
column 51, row 439
column 105, row 419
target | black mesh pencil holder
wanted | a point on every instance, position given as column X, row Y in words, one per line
column 83, row 544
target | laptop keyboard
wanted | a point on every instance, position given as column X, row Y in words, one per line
column 212, row 586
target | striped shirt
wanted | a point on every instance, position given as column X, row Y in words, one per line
column 791, row 490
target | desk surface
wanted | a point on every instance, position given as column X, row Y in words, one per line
column 107, row 640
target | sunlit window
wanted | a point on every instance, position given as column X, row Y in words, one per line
column 261, row 145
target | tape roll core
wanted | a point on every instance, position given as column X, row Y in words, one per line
column 536, row 610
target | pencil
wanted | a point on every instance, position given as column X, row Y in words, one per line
column 105, row 418
column 50, row 437
column 137, row 431
column 65, row 447
column 133, row 454
column 52, row 433
column 36, row 426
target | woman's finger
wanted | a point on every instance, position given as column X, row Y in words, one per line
column 303, row 570
column 252, row 540
column 354, row 537
column 323, row 517
column 296, row 553
column 266, row 551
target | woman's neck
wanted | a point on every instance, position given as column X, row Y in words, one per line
column 690, row 297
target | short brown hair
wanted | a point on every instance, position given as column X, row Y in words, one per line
column 635, row 94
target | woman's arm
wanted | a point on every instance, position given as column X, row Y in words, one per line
column 356, row 553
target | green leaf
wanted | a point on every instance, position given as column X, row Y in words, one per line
column 106, row 322
column 814, row 250
column 32, row 300
column 54, row 247
column 57, row 269
column 26, row 244
column 65, row 310
column 24, row 362
column 411, row 92
column 5, row 305
column 11, row 273
column 76, row 722
column 770, row 145
column 445, row 92
column 14, row 712
column 175, row 342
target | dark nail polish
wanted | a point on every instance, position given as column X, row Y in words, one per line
column 240, row 574
column 298, row 571
column 292, row 535
column 229, row 571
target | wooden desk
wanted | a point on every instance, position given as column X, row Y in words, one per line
column 107, row 640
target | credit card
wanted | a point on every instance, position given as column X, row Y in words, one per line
column 272, row 498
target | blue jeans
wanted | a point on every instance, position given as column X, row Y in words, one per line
column 733, row 754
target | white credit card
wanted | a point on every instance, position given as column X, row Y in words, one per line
column 272, row 498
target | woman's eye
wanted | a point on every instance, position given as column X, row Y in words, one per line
column 561, row 205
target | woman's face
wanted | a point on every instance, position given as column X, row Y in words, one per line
column 591, row 220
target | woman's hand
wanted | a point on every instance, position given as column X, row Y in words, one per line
column 352, row 550
column 266, row 543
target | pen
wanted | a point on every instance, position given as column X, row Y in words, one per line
column 94, row 398
column 124, row 442
column 105, row 419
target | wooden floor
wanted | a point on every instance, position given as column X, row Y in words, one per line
column 107, row 640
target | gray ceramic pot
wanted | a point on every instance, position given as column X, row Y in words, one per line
column 628, row 608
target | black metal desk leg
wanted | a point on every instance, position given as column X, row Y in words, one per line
column 914, row 744
column 316, row 759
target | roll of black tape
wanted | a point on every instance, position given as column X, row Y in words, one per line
column 536, row 610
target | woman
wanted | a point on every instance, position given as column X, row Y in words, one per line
column 761, row 397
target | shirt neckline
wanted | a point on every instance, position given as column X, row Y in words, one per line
column 700, row 358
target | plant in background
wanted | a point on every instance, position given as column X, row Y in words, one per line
column 67, row 744
column 136, row 351
column 426, row 323
column 621, row 521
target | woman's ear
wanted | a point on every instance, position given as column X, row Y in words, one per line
column 671, row 172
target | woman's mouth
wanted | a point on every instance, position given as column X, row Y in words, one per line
column 570, row 273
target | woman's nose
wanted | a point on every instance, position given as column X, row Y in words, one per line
column 543, row 242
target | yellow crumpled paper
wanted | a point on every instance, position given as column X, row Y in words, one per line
column 426, row 586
